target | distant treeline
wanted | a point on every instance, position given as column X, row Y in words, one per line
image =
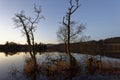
column 13, row 47
column 102, row 47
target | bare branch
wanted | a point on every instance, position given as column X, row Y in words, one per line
column 76, row 7
column 63, row 21
column 71, row 3
column 28, row 24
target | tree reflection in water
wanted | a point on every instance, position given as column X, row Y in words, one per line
column 57, row 67
column 51, row 69
column 31, row 69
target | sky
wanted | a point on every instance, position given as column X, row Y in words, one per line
column 101, row 19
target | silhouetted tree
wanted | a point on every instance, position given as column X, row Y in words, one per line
column 28, row 25
column 69, row 31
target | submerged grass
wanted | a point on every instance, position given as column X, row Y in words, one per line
column 102, row 67
column 61, row 70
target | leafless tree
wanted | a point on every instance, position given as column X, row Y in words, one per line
column 69, row 31
column 28, row 25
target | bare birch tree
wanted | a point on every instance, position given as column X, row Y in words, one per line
column 28, row 25
column 69, row 31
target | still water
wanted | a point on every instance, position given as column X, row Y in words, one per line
column 12, row 64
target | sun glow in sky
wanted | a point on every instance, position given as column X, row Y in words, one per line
column 101, row 17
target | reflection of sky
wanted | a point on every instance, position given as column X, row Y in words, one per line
column 7, row 62
column 101, row 18
column 18, row 61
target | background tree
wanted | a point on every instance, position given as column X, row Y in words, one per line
column 28, row 25
column 70, row 31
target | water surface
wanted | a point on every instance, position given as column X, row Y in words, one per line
column 9, row 62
